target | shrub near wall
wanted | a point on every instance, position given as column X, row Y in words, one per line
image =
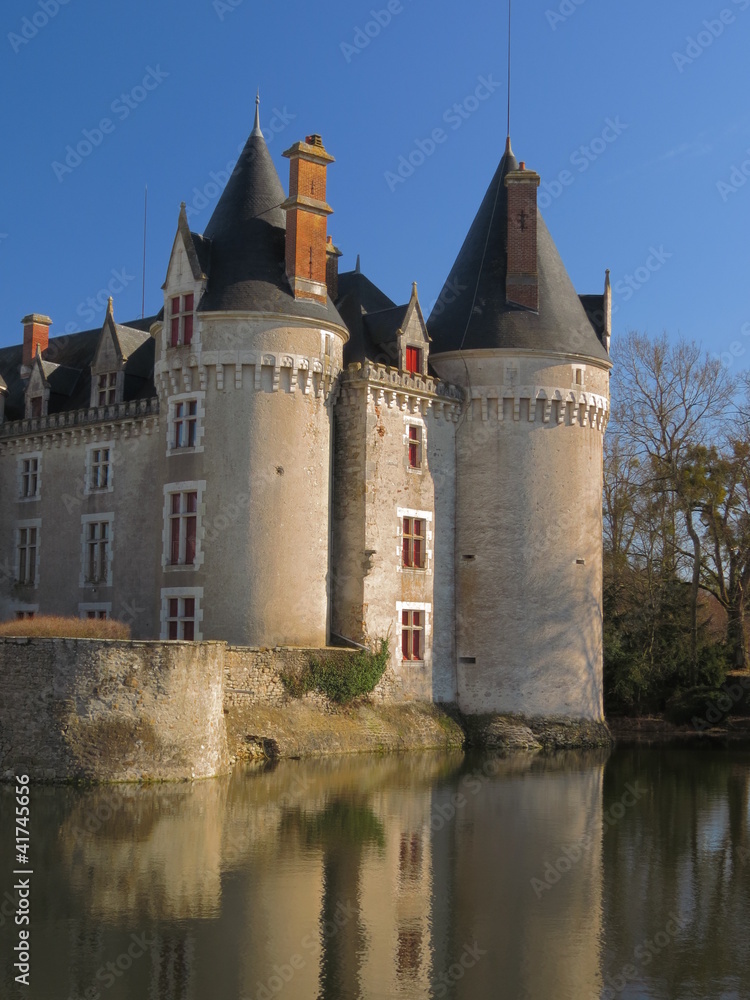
column 52, row 627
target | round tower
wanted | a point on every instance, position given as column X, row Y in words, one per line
column 532, row 359
column 246, row 395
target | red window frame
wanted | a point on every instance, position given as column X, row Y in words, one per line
column 414, row 360
column 181, row 618
column 415, row 447
column 412, row 635
column 181, row 320
column 107, row 389
column 413, row 543
column 185, row 421
column 183, row 528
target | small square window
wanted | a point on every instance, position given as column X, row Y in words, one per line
column 100, row 469
column 106, row 389
column 181, row 618
column 414, row 360
column 185, row 424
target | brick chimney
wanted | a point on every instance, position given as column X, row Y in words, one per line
column 332, row 268
column 35, row 334
column 522, row 280
column 307, row 219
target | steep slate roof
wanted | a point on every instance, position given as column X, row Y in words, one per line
column 358, row 297
column 67, row 366
column 248, row 243
column 560, row 326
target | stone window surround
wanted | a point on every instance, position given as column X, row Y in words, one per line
column 198, row 397
column 26, row 456
column 87, row 519
column 415, row 421
column 105, row 606
column 427, row 638
column 90, row 490
column 193, row 486
column 20, row 525
column 423, row 515
column 168, row 592
column 27, row 609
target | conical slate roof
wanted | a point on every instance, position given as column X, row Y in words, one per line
column 248, row 243
column 472, row 313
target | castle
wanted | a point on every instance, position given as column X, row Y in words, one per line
column 285, row 456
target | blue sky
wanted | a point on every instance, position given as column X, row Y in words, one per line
column 635, row 114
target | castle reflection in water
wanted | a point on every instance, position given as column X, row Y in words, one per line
column 415, row 877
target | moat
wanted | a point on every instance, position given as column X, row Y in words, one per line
column 578, row 876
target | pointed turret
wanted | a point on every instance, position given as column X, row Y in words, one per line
column 248, row 242
column 508, row 288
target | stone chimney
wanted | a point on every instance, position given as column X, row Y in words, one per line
column 332, row 268
column 307, row 219
column 35, row 335
column 522, row 280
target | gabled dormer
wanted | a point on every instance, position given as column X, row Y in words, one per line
column 38, row 387
column 108, row 368
column 401, row 334
column 413, row 339
column 187, row 276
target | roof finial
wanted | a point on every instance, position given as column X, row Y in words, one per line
column 110, row 310
column 357, row 268
column 256, row 128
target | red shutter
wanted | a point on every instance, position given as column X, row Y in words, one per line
column 175, row 334
column 190, row 529
column 405, row 643
column 174, row 556
column 188, row 631
column 188, row 330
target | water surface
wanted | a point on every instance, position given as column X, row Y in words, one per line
column 581, row 876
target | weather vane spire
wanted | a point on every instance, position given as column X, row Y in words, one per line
column 510, row 25
column 256, row 128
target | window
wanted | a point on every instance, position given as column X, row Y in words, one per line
column 185, row 424
column 97, row 551
column 412, row 635
column 414, row 360
column 23, row 615
column 181, row 618
column 181, row 614
column 95, row 612
column 413, row 543
column 415, row 446
column 99, row 478
column 181, row 320
column 106, row 389
column 28, row 554
column 183, row 528
column 183, row 532
column 29, row 476
column 37, row 406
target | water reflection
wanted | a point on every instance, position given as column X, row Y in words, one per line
column 423, row 876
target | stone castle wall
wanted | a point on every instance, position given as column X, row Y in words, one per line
column 100, row 710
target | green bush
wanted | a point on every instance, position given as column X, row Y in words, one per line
column 341, row 682
column 702, row 706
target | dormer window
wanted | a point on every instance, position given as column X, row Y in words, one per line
column 37, row 406
column 414, row 360
column 181, row 320
column 106, row 389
